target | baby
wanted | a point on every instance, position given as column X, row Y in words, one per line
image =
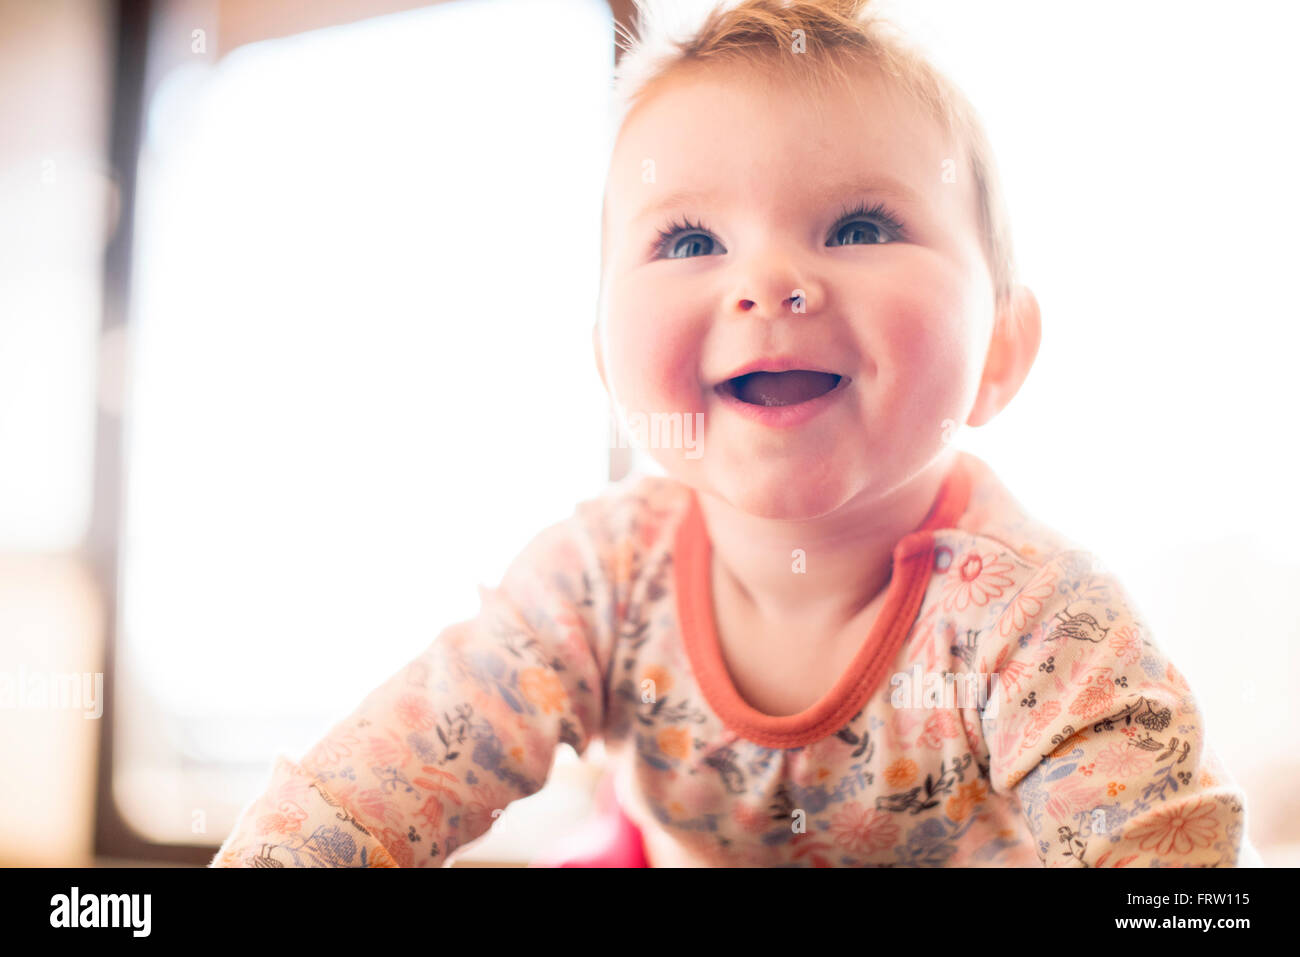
column 827, row 636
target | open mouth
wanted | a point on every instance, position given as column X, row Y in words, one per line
column 779, row 388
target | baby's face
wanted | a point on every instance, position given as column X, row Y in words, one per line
column 730, row 252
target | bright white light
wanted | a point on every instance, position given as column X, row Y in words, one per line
column 362, row 373
column 51, row 257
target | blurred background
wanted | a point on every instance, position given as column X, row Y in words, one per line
column 274, row 277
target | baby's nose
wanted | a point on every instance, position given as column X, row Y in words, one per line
column 794, row 303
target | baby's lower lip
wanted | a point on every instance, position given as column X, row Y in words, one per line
column 780, row 416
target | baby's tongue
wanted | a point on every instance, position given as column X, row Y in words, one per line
column 783, row 388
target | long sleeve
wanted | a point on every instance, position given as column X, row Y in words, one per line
column 424, row 765
column 1097, row 734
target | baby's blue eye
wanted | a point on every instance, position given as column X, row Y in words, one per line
column 861, row 226
column 860, row 231
column 686, row 240
column 698, row 245
column 866, row 227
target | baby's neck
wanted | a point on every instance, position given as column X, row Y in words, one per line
column 819, row 574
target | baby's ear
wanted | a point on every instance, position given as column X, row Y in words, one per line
column 600, row 359
column 1017, row 331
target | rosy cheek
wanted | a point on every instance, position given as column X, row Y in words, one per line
column 923, row 346
column 910, row 333
column 654, row 352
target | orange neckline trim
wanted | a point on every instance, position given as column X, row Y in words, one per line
column 913, row 559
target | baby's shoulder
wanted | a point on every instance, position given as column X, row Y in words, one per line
column 1008, row 573
column 997, row 519
column 640, row 508
column 625, row 528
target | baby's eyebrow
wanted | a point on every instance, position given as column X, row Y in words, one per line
column 874, row 185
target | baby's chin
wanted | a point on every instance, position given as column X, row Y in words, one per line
column 791, row 491
column 784, row 498
column 782, row 511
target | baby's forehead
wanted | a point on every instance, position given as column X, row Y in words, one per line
column 729, row 112
column 709, row 132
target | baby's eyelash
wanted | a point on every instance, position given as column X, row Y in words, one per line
column 876, row 211
column 671, row 230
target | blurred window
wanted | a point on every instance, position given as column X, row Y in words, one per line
column 361, row 372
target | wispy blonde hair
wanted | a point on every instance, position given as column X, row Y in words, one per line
column 837, row 35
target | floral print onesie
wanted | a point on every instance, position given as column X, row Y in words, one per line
column 1051, row 731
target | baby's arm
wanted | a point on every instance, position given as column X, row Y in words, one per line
column 419, row 769
column 1098, row 735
